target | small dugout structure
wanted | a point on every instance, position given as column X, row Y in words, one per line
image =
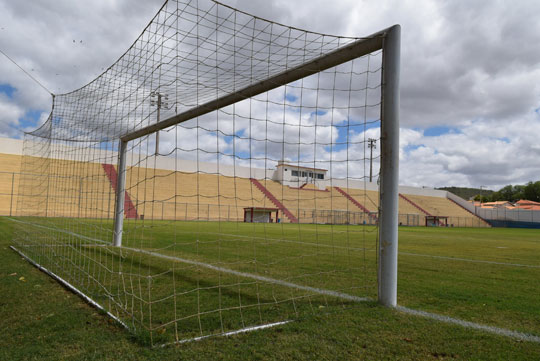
column 260, row 215
column 434, row 221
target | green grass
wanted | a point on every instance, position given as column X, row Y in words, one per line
column 493, row 294
column 42, row 320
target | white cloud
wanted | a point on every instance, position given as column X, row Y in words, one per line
column 466, row 65
column 481, row 154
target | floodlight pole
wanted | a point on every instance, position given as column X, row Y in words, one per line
column 388, row 222
column 159, row 102
column 371, row 145
column 120, row 194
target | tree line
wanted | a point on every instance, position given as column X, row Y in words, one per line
column 513, row 193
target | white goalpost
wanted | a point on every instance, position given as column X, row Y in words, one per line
column 216, row 178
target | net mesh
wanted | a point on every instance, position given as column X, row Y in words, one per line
column 253, row 213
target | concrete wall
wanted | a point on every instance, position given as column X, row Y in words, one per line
column 11, row 146
column 516, row 215
column 429, row 192
column 498, row 214
column 462, row 202
column 15, row 146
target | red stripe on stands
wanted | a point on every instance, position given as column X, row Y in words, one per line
column 416, row 205
column 355, row 202
column 129, row 208
column 274, row 200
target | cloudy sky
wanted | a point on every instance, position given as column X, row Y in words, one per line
column 470, row 76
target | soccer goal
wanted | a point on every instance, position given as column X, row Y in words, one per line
column 216, row 178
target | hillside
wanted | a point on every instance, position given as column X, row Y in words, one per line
column 466, row 193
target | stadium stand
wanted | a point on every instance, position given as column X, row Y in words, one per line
column 112, row 175
column 311, row 205
column 368, row 199
column 168, row 194
column 87, row 193
column 438, row 206
column 9, row 183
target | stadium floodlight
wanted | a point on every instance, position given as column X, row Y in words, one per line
column 372, row 144
column 160, row 101
column 165, row 239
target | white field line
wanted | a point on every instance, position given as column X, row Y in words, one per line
column 401, row 253
column 230, row 271
column 312, row 244
column 472, row 325
column 469, row 260
column 434, row 316
column 282, row 240
column 277, row 240
column 445, row 319
column 320, row 291
column 60, row 230
column 69, row 286
column 230, row 333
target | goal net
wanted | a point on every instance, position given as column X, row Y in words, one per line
column 216, row 177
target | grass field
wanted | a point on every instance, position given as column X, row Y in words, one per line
column 488, row 276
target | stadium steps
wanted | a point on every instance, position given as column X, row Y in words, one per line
column 65, row 188
column 175, row 195
column 419, row 208
column 415, row 205
column 320, row 206
column 442, row 206
column 472, row 214
column 274, row 200
column 129, row 209
column 355, row 202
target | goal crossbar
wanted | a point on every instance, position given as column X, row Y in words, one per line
column 339, row 56
column 252, row 115
column 388, row 41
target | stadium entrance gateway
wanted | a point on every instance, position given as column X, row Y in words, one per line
column 260, row 215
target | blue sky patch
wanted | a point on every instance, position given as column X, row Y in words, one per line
column 318, row 112
column 30, row 119
column 7, row 89
column 290, row 97
column 440, row 130
column 341, row 138
column 410, row 147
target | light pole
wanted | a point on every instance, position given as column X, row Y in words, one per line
column 371, row 145
column 159, row 100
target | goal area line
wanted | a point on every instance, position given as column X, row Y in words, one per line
column 93, row 303
column 256, row 277
column 441, row 318
column 70, row 287
column 472, row 325
column 434, row 316
column 225, row 334
column 358, row 249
